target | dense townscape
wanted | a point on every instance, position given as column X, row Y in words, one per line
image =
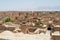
column 32, row 25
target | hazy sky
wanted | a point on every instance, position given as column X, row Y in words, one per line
column 29, row 5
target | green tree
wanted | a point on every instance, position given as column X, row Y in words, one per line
column 8, row 19
column 40, row 22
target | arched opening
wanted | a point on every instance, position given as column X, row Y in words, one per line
column 49, row 28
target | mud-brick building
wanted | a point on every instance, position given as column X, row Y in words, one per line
column 56, row 33
column 56, row 37
column 2, row 28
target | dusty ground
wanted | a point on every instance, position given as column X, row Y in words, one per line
column 21, row 36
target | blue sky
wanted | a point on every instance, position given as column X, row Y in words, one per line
column 29, row 5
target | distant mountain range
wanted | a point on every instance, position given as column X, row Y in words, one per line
column 49, row 8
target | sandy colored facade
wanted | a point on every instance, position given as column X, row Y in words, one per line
column 29, row 20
